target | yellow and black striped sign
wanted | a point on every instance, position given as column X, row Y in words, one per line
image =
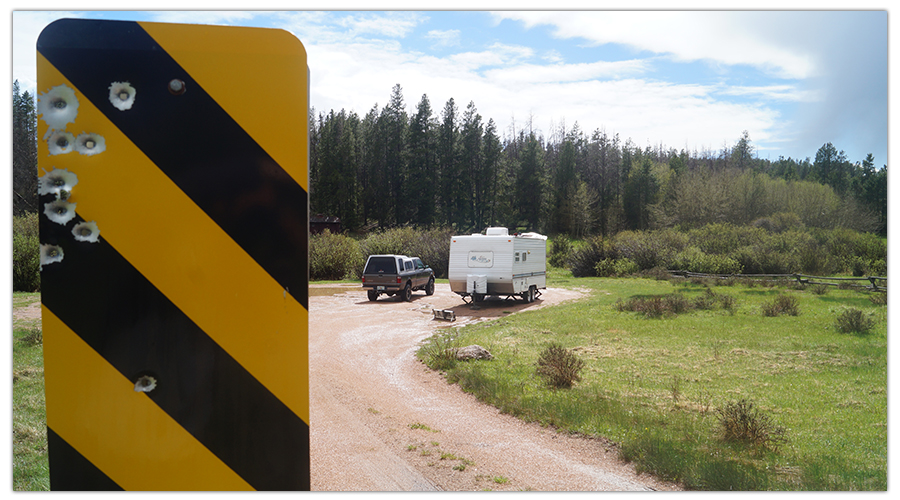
column 173, row 180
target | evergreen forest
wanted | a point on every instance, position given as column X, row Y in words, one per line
column 454, row 168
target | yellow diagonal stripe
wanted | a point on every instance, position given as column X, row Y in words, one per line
column 122, row 432
column 179, row 249
column 259, row 76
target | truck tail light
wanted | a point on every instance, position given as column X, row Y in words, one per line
column 364, row 279
column 398, row 279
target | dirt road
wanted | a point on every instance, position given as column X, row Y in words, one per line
column 381, row 421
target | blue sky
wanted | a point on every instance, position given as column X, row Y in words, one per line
column 694, row 80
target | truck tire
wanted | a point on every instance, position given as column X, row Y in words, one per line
column 373, row 295
column 429, row 288
column 407, row 292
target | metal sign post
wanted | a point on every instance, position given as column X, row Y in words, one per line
column 173, row 169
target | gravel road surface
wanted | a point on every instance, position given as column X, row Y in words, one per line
column 381, row 421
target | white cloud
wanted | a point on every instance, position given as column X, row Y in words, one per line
column 443, row 38
column 538, row 73
column 230, row 17
column 788, row 93
column 26, row 27
column 723, row 37
column 390, row 24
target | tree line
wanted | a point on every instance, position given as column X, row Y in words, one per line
column 452, row 169
column 455, row 169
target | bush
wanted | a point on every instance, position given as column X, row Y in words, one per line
column 741, row 422
column 26, row 268
column 432, row 246
column 656, row 306
column 649, row 249
column 782, row 304
column 722, row 239
column 585, row 258
column 334, row 257
column 560, row 249
column 615, row 267
column 559, row 367
column 696, row 261
column 879, row 299
column 853, row 320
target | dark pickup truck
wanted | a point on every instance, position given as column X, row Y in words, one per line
column 396, row 275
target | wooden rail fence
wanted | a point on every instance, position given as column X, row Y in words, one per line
column 875, row 283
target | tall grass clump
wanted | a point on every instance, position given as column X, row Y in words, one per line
column 781, row 304
column 439, row 351
column 853, row 320
column 26, row 268
column 741, row 422
column 559, row 367
column 334, row 257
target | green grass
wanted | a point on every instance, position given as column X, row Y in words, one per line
column 653, row 384
column 30, row 464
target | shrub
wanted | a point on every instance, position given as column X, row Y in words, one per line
column 26, row 265
column 741, row 422
column 33, row 337
column 696, row 261
column 711, row 300
column 762, row 259
column 853, row 320
column 584, row 259
column 782, row 304
column 615, row 267
column 879, row 299
column 725, row 238
column 334, row 257
column 559, row 367
column 878, row 267
column 431, row 245
column 656, row 306
column 649, row 249
column 560, row 249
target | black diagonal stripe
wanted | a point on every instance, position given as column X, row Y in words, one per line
column 70, row 471
column 193, row 140
column 124, row 318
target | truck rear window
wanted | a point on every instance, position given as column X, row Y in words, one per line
column 381, row 265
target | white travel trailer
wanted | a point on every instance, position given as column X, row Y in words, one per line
column 497, row 263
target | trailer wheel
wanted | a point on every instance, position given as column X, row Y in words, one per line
column 407, row 292
column 429, row 288
column 373, row 295
column 530, row 296
column 477, row 297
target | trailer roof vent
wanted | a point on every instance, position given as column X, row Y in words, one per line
column 497, row 231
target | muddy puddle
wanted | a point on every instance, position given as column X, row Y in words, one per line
column 321, row 291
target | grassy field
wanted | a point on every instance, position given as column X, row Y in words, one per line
column 30, row 466
column 651, row 384
column 654, row 383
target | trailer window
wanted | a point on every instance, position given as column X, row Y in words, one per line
column 524, row 256
column 517, row 256
column 481, row 259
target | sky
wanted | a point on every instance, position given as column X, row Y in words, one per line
column 689, row 80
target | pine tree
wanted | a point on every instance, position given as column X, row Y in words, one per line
column 25, row 174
